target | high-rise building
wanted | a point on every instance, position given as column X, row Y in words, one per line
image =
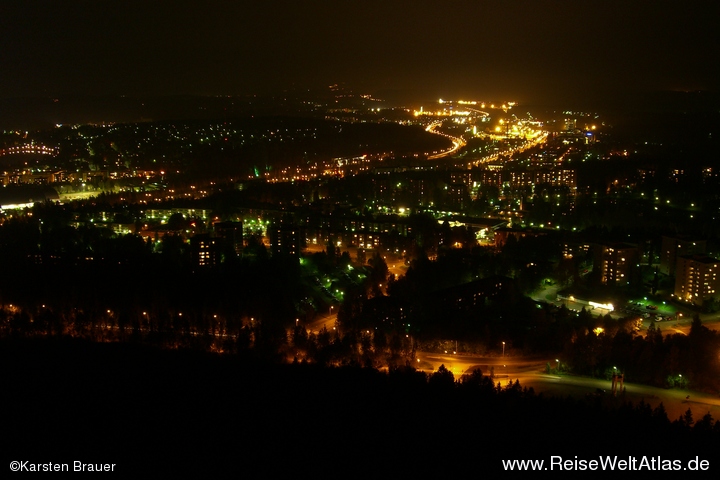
column 491, row 177
column 673, row 247
column 696, row 278
column 204, row 250
column 285, row 239
column 616, row 262
column 557, row 177
column 457, row 196
column 230, row 235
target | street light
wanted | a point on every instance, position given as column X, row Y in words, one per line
column 503, row 349
column 558, row 363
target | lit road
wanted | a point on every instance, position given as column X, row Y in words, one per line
column 674, row 401
column 682, row 326
column 531, row 373
column 395, row 263
column 458, row 142
column 327, row 321
column 537, row 139
column 461, row 364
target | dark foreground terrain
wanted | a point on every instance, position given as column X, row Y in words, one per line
column 169, row 413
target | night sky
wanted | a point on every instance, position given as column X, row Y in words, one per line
column 531, row 50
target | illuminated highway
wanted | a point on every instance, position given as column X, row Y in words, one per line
column 537, row 139
column 458, row 142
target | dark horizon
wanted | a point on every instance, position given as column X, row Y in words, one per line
column 531, row 52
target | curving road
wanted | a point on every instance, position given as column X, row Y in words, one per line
column 531, row 373
column 458, row 142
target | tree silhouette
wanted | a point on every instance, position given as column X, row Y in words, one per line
column 442, row 379
column 176, row 222
column 687, row 418
column 705, row 424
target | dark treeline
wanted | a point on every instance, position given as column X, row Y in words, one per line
column 168, row 412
